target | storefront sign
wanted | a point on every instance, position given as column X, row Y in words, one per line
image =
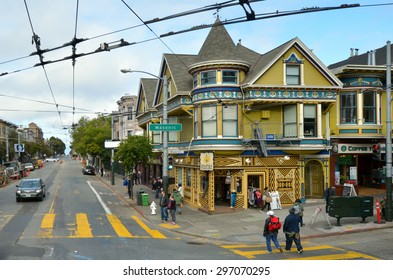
column 206, row 162
column 357, row 148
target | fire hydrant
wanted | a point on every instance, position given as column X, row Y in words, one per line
column 153, row 207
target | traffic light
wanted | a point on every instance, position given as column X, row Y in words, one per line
column 170, row 163
column 377, row 152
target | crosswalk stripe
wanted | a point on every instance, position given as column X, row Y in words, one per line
column 117, row 225
column 153, row 233
column 346, row 256
column 83, row 229
column 47, row 223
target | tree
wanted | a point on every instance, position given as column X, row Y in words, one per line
column 56, row 145
column 89, row 136
column 134, row 150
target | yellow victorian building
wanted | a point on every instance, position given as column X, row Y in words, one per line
column 250, row 121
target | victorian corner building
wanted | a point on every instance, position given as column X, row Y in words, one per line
column 251, row 121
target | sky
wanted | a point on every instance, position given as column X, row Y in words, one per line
column 94, row 83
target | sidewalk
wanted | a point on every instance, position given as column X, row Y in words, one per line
column 246, row 225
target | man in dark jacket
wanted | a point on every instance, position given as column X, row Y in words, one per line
column 164, row 206
column 292, row 231
column 331, row 191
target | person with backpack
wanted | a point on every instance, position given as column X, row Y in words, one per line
column 299, row 209
column 292, row 231
column 270, row 231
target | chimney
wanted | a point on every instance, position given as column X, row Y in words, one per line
column 351, row 53
column 356, row 51
column 368, row 58
column 240, row 42
column 373, row 62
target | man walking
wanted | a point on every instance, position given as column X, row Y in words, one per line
column 292, row 231
column 270, row 231
column 331, row 191
column 164, row 206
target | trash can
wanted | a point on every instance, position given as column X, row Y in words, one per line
column 233, row 199
column 145, row 199
column 139, row 197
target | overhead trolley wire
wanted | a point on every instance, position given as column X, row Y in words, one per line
column 37, row 41
column 199, row 27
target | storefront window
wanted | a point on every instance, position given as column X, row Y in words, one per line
column 188, row 177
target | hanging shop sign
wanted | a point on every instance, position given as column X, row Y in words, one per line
column 206, row 162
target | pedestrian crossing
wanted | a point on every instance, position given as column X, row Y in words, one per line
column 82, row 225
column 311, row 252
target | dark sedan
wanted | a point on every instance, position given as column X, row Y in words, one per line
column 88, row 170
column 32, row 188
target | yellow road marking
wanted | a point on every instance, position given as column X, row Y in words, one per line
column 83, row 229
column 47, row 223
column 347, row 255
column 153, row 233
column 117, row 225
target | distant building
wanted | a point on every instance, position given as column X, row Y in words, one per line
column 124, row 122
column 34, row 133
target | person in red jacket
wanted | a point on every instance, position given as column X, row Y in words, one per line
column 269, row 234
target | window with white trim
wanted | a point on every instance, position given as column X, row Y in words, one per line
column 209, row 121
column 348, row 107
column 229, row 121
column 293, row 74
column 173, row 136
column 290, row 121
column 369, row 107
column 310, row 120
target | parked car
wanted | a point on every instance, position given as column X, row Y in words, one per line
column 30, row 188
column 51, row 159
column 29, row 166
column 88, row 170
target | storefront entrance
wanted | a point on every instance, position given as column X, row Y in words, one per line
column 221, row 191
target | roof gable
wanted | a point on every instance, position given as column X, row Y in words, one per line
column 271, row 59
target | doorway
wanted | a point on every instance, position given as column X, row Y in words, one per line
column 221, row 191
column 314, row 179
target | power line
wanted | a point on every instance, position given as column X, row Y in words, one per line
column 37, row 41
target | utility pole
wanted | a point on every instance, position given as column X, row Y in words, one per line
column 388, row 208
column 7, row 153
column 112, row 154
column 164, row 121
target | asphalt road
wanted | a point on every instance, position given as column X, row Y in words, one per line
column 82, row 219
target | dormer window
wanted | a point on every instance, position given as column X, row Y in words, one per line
column 208, row 78
column 293, row 70
column 293, row 75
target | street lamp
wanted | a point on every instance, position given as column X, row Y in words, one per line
column 164, row 121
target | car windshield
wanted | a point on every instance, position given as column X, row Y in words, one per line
column 29, row 184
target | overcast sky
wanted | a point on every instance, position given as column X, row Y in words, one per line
column 95, row 83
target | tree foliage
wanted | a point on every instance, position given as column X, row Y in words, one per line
column 89, row 136
column 134, row 150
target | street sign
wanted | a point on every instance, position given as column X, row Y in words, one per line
column 111, row 144
column 166, row 127
column 19, row 148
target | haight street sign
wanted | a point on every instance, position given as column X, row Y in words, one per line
column 166, row 127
